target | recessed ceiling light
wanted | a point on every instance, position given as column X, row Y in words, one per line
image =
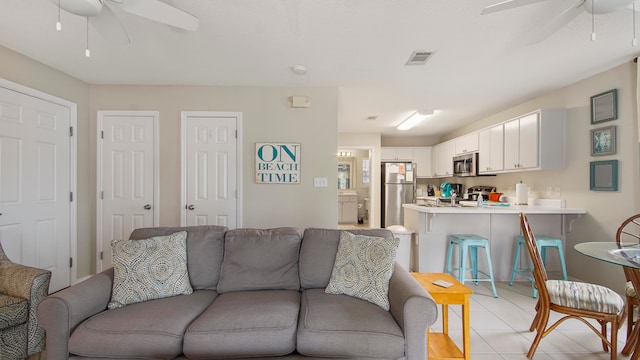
column 372, row 117
column 299, row 69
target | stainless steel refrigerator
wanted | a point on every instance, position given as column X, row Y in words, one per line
column 398, row 187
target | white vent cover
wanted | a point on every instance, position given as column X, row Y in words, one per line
column 419, row 57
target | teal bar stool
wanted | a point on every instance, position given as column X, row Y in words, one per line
column 543, row 242
column 468, row 245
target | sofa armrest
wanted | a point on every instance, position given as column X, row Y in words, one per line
column 61, row 312
column 27, row 283
column 414, row 309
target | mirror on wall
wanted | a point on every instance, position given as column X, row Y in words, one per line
column 346, row 178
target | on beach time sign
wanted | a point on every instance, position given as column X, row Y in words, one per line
column 277, row 163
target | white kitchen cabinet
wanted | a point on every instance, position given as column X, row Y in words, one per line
column 396, row 154
column 422, row 159
column 442, row 159
column 466, row 143
column 491, row 150
column 347, row 209
column 535, row 141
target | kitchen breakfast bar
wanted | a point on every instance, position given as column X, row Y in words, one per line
column 499, row 224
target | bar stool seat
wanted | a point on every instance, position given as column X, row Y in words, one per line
column 468, row 245
column 543, row 243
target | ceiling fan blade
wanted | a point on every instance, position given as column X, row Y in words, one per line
column 558, row 22
column 606, row 6
column 507, row 5
column 158, row 11
column 110, row 27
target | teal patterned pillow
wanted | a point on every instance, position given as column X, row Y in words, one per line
column 363, row 267
column 149, row 269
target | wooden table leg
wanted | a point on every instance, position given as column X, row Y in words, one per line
column 466, row 329
column 445, row 319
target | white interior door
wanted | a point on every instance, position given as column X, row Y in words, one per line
column 36, row 183
column 127, row 177
column 210, row 171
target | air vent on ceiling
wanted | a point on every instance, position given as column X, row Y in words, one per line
column 419, row 57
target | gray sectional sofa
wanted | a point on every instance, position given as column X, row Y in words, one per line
column 256, row 294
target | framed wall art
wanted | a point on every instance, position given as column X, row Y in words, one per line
column 604, row 106
column 603, row 141
column 604, row 175
column 277, row 163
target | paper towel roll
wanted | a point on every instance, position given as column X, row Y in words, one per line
column 522, row 194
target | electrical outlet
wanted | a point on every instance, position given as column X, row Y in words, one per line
column 549, row 191
column 557, row 191
column 319, row 182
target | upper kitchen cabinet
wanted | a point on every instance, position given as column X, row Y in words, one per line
column 466, row 143
column 396, row 154
column 491, row 150
column 535, row 141
column 442, row 159
column 422, row 158
column 420, row 155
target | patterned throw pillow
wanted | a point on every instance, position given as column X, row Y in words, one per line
column 363, row 267
column 149, row 269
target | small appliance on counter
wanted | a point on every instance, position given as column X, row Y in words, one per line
column 448, row 189
column 474, row 191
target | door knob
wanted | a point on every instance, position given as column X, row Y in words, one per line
column 191, row 207
column 147, row 207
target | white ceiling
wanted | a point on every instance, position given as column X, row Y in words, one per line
column 479, row 65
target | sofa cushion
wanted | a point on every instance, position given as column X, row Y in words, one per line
column 205, row 247
column 13, row 311
column 260, row 260
column 344, row 326
column 149, row 269
column 318, row 254
column 153, row 329
column 363, row 267
column 245, row 324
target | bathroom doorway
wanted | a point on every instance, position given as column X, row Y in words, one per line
column 360, row 175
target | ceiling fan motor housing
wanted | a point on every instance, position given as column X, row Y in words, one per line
column 85, row 8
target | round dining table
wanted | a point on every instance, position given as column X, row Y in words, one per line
column 628, row 256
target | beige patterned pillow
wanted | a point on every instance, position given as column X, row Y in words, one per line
column 149, row 269
column 363, row 267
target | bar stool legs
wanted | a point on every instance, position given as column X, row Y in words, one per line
column 543, row 242
column 468, row 245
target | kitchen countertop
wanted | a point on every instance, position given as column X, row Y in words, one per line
column 490, row 209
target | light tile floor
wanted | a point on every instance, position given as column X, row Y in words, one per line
column 500, row 328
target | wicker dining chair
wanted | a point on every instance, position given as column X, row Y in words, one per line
column 629, row 231
column 575, row 300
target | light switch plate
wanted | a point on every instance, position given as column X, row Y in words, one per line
column 319, row 182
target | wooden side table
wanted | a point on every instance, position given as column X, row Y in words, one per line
column 440, row 344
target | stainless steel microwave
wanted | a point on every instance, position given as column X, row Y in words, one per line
column 465, row 164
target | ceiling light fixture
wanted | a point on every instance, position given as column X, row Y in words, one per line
column 58, row 23
column 415, row 118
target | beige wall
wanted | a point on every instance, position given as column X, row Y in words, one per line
column 22, row 70
column 606, row 210
column 266, row 117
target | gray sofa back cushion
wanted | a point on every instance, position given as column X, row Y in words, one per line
column 318, row 253
column 260, row 259
column 205, row 248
